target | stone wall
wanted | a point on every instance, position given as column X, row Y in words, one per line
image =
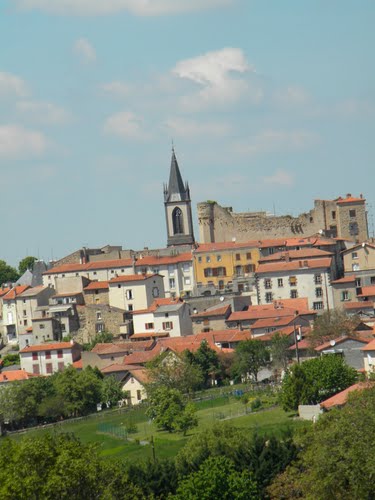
column 217, row 223
column 111, row 319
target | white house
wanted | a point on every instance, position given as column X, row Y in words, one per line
column 136, row 291
column 308, row 278
column 134, row 384
column 369, row 357
column 164, row 315
column 48, row 358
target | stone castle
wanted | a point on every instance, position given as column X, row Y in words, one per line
column 342, row 218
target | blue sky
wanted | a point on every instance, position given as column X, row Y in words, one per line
column 268, row 104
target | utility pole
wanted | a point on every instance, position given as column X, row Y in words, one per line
column 295, row 337
column 153, row 449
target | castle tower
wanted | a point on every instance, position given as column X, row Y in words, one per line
column 177, row 204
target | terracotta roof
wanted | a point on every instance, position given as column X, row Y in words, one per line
column 139, row 358
column 14, row 375
column 90, row 266
column 152, row 260
column 15, row 292
column 219, row 311
column 49, row 346
column 78, row 364
column 4, row 291
column 279, row 321
column 226, row 245
column 166, row 301
column 342, row 397
column 370, row 346
column 116, row 367
column 30, row 292
column 303, row 253
column 132, row 277
column 146, row 335
column 296, row 265
column 220, row 336
column 349, row 199
column 345, row 279
column 140, row 374
column 302, row 344
column 282, row 307
column 70, row 294
column 359, row 305
column 359, row 245
column 367, row 291
column 112, row 348
column 97, row 285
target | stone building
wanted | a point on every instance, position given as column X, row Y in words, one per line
column 342, row 217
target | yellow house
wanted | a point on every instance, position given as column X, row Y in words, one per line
column 225, row 266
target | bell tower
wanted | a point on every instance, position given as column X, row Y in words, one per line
column 177, row 204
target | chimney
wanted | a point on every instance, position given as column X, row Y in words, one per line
column 348, row 195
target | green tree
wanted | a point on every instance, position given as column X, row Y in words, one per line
column 331, row 325
column 207, row 360
column 250, row 357
column 11, row 359
column 26, row 263
column 100, row 338
column 337, row 458
column 218, row 478
column 111, row 391
column 7, row 273
column 280, row 352
column 170, row 411
column 315, row 380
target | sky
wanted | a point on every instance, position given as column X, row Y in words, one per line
column 269, row 105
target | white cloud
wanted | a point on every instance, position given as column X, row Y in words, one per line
column 181, row 127
column 44, row 112
column 136, row 7
column 12, row 84
column 116, row 89
column 18, row 141
column 270, row 141
column 292, row 96
column 84, row 50
column 213, row 72
column 124, row 124
column 280, row 178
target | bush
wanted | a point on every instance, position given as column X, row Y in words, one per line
column 256, row 404
column 131, row 428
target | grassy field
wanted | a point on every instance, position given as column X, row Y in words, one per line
column 108, row 429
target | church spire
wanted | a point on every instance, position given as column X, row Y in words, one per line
column 176, row 190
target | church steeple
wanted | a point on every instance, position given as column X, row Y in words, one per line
column 178, row 207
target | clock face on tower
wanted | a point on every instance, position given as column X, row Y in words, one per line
column 155, row 292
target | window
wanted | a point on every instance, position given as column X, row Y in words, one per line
column 36, row 370
column 41, row 326
column 24, row 312
column 168, row 325
column 358, row 282
column 77, row 274
column 35, row 356
column 293, row 294
column 112, row 271
column 186, row 267
column 118, row 286
column 149, row 326
column 238, row 270
column 238, row 256
column 98, row 315
column 48, row 367
column 311, row 219
column 333, row 214
column 48, row 354
column 267, row 283
column 292, row 280
column 269, row 297
column 129, row 294
column 187, row 281
column 94, row 273
column 130, row 307
column 355, row 267
column 318, row 292
column 172, row 283
column 317, row 306
column 249, row 268
column 63, row 327
column 59, row 353
column 60, row 366
column 221, row 285
column 221, row 271
column 345, row 295
column 352, row 213
column 353, row 228
column 354, row 255
column 139, row 394
column 318, row 279
column 99, row 327
column 280, row 283
column 199, row 259
column 218, row 258
column 25, row 322
column 208, row 272
column 178, row 221
column 372, row 280
column 208, row 258
column 248, row 255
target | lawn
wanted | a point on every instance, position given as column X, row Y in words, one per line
column 108, row 429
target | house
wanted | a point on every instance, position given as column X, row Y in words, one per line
column 96, row 292
column 225, row 266
column 164, row 315
column 341, row 398
column 10, row 322
column 349, row 347
column 136, row 291
column 48, row 358
column 213, row 318
column 134, row 385
column 369, row 357
column 308, row 278
column 359, row 261
column 344, row 290
column 14, row 376
column 97, row 318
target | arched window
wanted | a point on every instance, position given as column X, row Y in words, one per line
column 178, row 221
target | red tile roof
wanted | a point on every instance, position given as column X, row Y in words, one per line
column 142, row 357
column 342, row 397
column 132, row 277
column 303, row 253
column 359, row 305
column 367, row 291
column 49, row 346
column 296, row 265
column 90, row 266
column 117, row 367
column 345, row 279
column 279, row 321
column 146, row 335
column 140, row 374
column 167, row 301
column 349, row 199
column 15, row 375
column 78, row 364
column 4, row 291
column 15, row 292
column 97, row 285
column 226, row 245
column 282, row 307
column 219, row 311
column 370, row 346
column 340, row 340
column 153, row 260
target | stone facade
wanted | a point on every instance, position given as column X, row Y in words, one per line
column 96, row 318
column 342, row 217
